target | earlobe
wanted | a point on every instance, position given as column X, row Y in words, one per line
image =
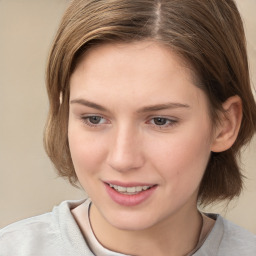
column 227, row 131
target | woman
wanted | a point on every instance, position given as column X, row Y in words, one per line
column 150, row 104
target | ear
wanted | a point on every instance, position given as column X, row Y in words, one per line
column 227, row 131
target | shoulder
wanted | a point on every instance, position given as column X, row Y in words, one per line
column 39, row 235
column 23, row 236
column 27, row 225
column 237, row 240
column 226, row 238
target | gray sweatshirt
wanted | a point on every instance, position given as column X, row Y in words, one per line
column 57, row 233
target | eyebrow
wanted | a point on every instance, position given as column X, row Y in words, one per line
column 88, row 103
column 157, row 107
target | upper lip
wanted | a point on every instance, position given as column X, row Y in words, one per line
column 129, row 184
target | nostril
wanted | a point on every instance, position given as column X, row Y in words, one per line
column 125, row 162
column 125, row 153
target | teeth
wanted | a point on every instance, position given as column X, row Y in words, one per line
column 121, row 189
column 129, row 190
column 139, row 189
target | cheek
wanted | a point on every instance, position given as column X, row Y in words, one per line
column 86, row 150
column 182, row 159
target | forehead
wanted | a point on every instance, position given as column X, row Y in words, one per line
column 110, row 52
column 139, row 70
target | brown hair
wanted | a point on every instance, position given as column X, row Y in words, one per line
column 208, row 34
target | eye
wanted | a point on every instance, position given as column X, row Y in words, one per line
column 94, row 121
column 162, row 122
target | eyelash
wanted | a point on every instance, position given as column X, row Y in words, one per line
column 167, row 122
column 86, row 119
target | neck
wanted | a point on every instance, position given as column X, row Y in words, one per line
column 176, row 235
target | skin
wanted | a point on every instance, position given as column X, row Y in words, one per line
column 128, row 145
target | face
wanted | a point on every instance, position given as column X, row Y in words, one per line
column 139, row 133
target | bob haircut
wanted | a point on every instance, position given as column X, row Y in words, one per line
column 207, row 34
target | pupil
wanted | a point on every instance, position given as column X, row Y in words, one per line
column 160, row 121
column 95, row 119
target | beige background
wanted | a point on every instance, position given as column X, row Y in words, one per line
column 28, row 184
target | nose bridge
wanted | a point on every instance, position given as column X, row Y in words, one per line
column 126, row 148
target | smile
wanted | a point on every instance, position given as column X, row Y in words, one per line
column 129, row 190
column 129, row 194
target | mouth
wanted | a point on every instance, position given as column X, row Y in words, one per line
column 129, row 194
column 129, row 190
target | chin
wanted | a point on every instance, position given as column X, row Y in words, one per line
column 132, row 221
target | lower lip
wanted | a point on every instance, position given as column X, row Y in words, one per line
column 129, row 200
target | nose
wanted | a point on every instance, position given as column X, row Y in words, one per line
column 125, row 152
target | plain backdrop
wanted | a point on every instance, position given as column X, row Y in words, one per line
column 28, row 183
